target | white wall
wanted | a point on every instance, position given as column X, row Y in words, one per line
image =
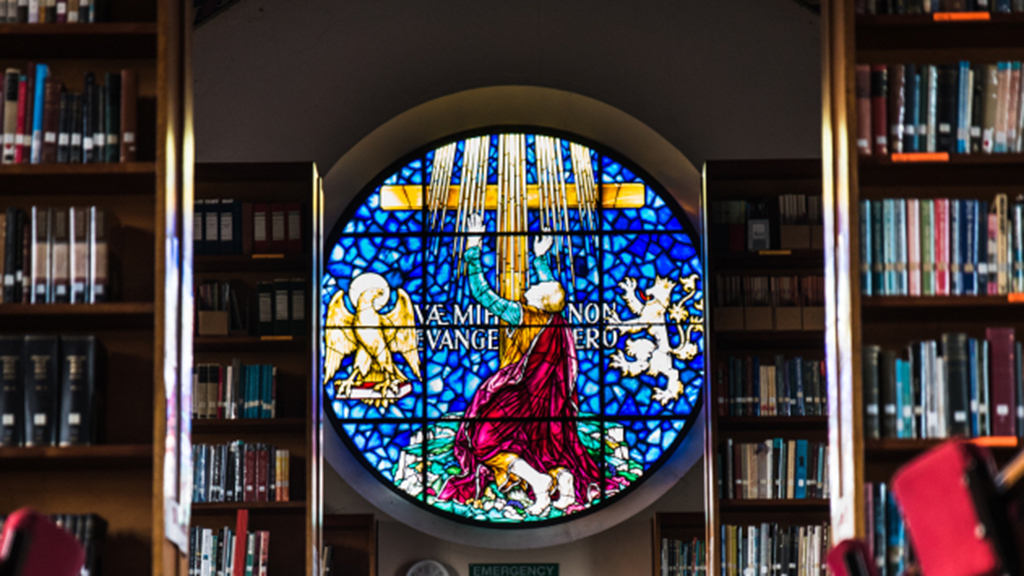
column 281, row 80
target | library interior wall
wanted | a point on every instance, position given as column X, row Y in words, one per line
column 282, row 80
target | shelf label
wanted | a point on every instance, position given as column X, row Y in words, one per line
column 775, row 252
column 961, row 16
column 995, row 441
column 275, row 338
column 268, row 256
column 1015, row 297
column 921, row 157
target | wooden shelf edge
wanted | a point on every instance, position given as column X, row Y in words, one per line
column 97, row 29
column 802, row 504
column 783, row 422
column 102, row 309
column 937, row 301
column 247, row 425
column 109, row 168
column 257, row 507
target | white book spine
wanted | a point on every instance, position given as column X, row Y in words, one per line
column 913, row 212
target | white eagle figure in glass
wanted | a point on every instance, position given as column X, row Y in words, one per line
column 372, row 337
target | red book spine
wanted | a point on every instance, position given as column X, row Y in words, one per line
column 277, row 226
column 262, row 480
column 250, row 473
column 864, row 109
column 20, row 150
column 264, row 537
column 941, row 246
column 897, row 106
column 260, row 229
column 62, row 11
column 241, row 527
column 879, row 107
column 1004, row 401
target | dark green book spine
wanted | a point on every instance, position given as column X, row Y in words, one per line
column 112, row 116
column 281, row 308
column 888, row 393
column 11, row 391
column 41, row 390
column 79, row 394
column 954, row 349
column 265, row 293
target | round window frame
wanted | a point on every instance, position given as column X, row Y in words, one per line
column 674, row 461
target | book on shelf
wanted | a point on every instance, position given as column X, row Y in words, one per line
column 228, row 227
column 955, row 386
column 769, row 302
column 942, row 246
column 51, row 390
column 221, row 309
column 240, row 472
column 785, row 387
column 903, row 7
column 788, row 222
column 683, row 557
column 281, row 307
column 43, row 122
column 228, row 551
column 887, row 539
column 55, row 255
column 775, row 469
column 962, row 108
column 53, row 11
column 234, row 391
column 771, row 548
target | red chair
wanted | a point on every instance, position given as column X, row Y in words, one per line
column 32, row 545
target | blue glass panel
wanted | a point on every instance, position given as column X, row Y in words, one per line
column 652, row 372
column 458, row 361
column 411, row 173
column 393, row 450
column 654, row 215
column 644, row 258
column 477, row 495
column 370, row 218
column 391, row 265
column 531, row 159
column 613, row 172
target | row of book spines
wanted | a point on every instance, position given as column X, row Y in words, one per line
column 942, row 246
column 935, row 6
column 216, row 553
column 241, row 472
column 226, row 226
column 787, row 209
column 54, row 255
column 52, row 11
column 51, row 390
column 773, row 469
column 952, row 108
column 43, row 123
column 234, row 391
column 779, row 291
column 887, row 537
column 772, row 550
column 791, row 387
column 282, row 307
column 683, row 557
column 90, row 530
column 972, row 388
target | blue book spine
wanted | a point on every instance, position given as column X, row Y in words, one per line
column 865, row 247
column 778, row 487
column 972, row 377
column 42, row 71
column 913, row 118
column 981, row 245
column 798, row 378
column 889, row 216
column 1002, row 6
column 970, row 240
column 800, row 489
column 251, row 373
column 963, row 120
column 956, row 279
column 907, row 395
column 1017, row 246
column 902, row 260
column 877, row 248
column 895, row 552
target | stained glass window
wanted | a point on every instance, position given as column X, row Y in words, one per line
column 513, row 328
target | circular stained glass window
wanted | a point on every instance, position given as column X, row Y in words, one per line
column 513, row 328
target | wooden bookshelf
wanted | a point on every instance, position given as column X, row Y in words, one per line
column 678, row 526
column 756, row 180
column 894, row 322
column 295, row 526
column 122, row 478
column 354, row 538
